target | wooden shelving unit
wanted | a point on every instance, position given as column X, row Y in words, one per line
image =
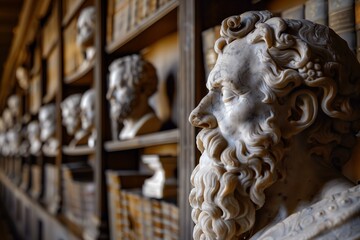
column 170, row 38
column 82, row 77
column 72, row 11
column 162, row 23
column 78, row 150
column 165, row 137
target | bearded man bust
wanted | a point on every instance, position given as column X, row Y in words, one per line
column 278, row 123
column 132, row 82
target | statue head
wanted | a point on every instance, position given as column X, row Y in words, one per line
column 33, row 130
column 14, row 105
column 47, row 121
column 33, row 136
column 132, row 81
column 8, row 118
column 70, row 111
column 2, row 134
column 2, row 125
column 86, row 27
column 275, row 81
column 87, row 108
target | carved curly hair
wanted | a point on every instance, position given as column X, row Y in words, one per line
column 136, row 72
column 304, row 55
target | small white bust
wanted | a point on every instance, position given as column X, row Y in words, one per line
column 14, row 105
column 47, row 121
column 8, row 118
column 2, row 135
column 33, row 134
column 132, row 81
column 86, row 33
column 13, row 138
column 87, row 107
column 70, row 111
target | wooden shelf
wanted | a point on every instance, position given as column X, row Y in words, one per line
column 78, row 150
column 50, row 153
column 153, row 139
column 83, row 76
column 73, row 232
column 72, row 12
column 162, row 23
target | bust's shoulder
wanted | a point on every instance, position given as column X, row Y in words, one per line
column 334, row 217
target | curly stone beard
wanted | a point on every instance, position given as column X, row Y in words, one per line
column 229, row 181
column 122, row 108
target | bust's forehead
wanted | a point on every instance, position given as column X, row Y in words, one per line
column 237, row 61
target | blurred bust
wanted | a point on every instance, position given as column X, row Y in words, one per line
column 8, row 118
column 87, row 108
column 33, row 134
column 47, row 121
column 132, row 81
column 24, row 148
column 86, row 32
column 13, row 138
column 2, row 135
column 14, row 105
column 70, row 110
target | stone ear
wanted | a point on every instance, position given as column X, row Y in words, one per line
column 302, row 110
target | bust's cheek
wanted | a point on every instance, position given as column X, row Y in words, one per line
column 235, row 118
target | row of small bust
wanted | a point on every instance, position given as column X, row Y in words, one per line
column 132, row 82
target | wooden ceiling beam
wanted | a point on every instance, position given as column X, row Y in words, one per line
column 31, row 12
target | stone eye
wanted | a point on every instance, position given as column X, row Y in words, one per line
column 227, row 95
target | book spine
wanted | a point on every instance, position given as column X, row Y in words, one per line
column 357, row 28
column 317, row 11
column 121, row 19
column 174, row 222
column 110, row 22
column 209, row 37
column 342, row 20
column 297, row 12
column 158, row 229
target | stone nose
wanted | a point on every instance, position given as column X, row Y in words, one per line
column 202, row 118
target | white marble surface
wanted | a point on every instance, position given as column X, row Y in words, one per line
column 278, row 122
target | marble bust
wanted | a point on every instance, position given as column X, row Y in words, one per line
column 2, row 136
column 33, row 134
column 132, row 81
column 86, row 34
column 87, row 113
column 47, row 123
column 70, row 112
column 14, row 105
column 278, row 122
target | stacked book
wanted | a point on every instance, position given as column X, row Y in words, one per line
column 341, row 16
column 209, row 37
column 36, row 181
column 78, row 192
column 17, row 174
column 126, row 15
column 133, row 216
column 25, row 177
column 50, row 184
